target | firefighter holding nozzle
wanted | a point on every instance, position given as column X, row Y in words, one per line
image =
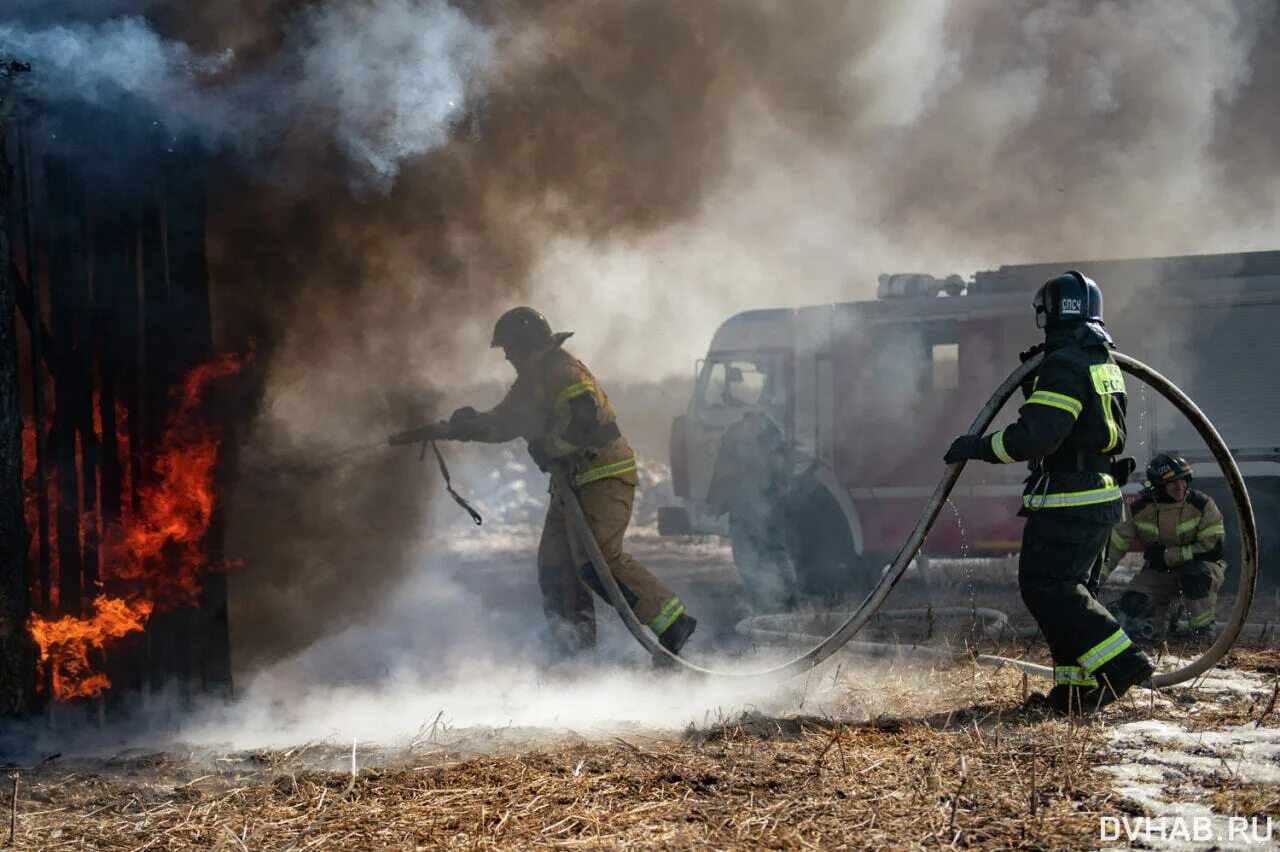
column 1180, row 531
column 557, row 407
column 1070, row 430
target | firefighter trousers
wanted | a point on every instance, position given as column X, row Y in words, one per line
column 567, row 578
column 759, row 541
column 1058, row 555
column 1197, row 583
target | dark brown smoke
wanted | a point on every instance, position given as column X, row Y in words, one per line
column 1013, row 133
column 643, row 169
column 358, row 295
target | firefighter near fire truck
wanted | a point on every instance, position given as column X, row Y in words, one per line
column 572, row 431
column 1180, row 532
column 750, row 483
column 1070, row 430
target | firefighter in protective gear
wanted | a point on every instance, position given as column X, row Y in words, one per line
column 1180, row 531
column 1070, row 430
column 750, row 482
column 557, row 407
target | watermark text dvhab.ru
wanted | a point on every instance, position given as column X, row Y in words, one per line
column 1201, row 829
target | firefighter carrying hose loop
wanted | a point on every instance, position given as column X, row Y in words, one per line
column 1180, row 531
column 557, row 407
column 1070, row 430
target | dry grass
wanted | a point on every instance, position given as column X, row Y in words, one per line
column 979, row 773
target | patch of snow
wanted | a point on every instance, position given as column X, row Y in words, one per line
column 1156, row 752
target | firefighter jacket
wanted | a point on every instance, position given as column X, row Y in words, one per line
column 1189, row 531
column 1069, row 429
column 751, row 469
column 557, row 407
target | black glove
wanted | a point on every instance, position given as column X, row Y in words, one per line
column 1154, row 556
column 542, row 453
column 964, row 448
column 466, row 412
column 1028, row 384
column 433, row 432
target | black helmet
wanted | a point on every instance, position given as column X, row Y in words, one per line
column 1166, row 468
column 1071, row 297
column 521, row 330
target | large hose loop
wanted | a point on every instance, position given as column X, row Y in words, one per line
column 876, row 597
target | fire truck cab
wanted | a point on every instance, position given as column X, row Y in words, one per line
column 869, row 395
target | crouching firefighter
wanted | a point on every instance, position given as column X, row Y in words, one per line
column 1070, row 429
column 1180, row 531
column 568, row 422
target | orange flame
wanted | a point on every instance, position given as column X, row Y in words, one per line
column 65, row 643
column 156, row 550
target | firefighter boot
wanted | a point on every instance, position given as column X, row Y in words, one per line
column 1063, row 700
column 674, row 637
column 1054, row 701
column 1130, row 669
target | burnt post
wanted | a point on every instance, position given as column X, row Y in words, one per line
column 62, row 232
column 185, row 177
column 17, row 658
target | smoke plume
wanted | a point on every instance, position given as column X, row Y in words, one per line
column 394, row 173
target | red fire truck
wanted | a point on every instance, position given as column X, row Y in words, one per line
column 869, row 394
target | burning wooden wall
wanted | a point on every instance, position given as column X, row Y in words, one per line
column 121, row 450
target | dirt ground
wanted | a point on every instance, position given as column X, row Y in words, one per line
column 896, row 754
column 963, row 766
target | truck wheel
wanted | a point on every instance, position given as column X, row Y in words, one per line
column 822, row 547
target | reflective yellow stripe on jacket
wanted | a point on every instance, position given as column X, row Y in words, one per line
column 1113, row 431
column 1108, row 381
column 575, row 389
column 1061, row 401
column 1210, row 532
column 997, row 447
column 1067, row 499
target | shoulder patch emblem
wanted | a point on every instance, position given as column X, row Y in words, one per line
column 1107, row 378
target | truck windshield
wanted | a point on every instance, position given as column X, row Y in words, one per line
column 739, row 382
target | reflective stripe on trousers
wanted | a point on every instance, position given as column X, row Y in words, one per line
column 667, row 617
column 1105, row 651
column 1073, row 676
column 1203, row 619
column 605, row 470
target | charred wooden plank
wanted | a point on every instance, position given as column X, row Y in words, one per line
column 17, row 660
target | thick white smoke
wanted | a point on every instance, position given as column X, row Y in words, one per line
column 397, row 74
column 386, row 78
column 103, row 62
column 963, row 136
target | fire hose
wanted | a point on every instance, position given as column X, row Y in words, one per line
column 994, row 621
column 876, row 597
